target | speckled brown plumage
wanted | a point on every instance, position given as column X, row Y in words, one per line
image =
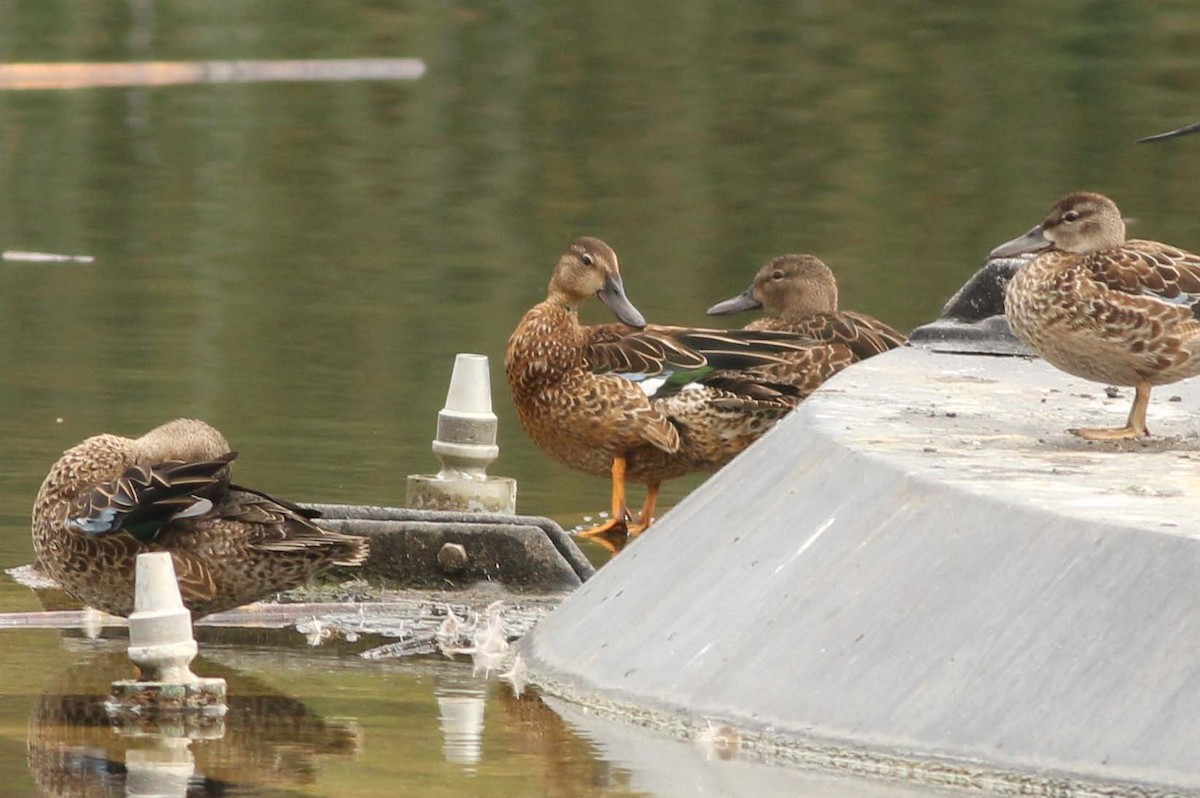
column 110, row 498
column 581, row 413
column 799, row 294
column 1103, row 308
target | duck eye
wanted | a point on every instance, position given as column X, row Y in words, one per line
column 777, row 275
column 1071, row 216
column 587, row 259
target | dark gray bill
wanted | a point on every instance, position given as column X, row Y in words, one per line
column 743, row 301
column 1183, row 131
column 613, row 295
column 1033, row 241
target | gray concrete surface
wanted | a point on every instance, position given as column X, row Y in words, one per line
column 920, row 567
column 521, row 552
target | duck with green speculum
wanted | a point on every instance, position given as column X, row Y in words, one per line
column 637, row 402
column 1103, row 307
column 800, row 295
column 111, row 498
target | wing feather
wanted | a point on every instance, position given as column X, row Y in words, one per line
column 617, row 349
column 146, row 496
column 1148, row 268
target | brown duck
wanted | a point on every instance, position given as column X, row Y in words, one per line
column 110, row 498
column 800, row 295
column 585, row 396
column 1105, row 308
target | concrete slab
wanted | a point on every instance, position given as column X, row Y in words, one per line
column 527, row 554
column 920, row 569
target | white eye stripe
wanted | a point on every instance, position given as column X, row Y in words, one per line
column 587, row 259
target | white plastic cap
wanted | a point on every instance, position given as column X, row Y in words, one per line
column 470, row 391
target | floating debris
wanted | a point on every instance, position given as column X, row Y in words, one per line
column 16, row 256
column 93, row 622
column 32, row 576
column 174, row 73
column 718, row 741
column 410, row 647
column 457, row 630
column 484, row 638
column 516, row 675
column 315, row 630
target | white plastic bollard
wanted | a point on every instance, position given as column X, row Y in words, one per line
column 466, row 445
column 162, row 646
column 466, row 428
column 160, row 628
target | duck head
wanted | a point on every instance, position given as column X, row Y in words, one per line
column 186, row 439
column 790, row 286
column 589, row 268
column 1080, row 222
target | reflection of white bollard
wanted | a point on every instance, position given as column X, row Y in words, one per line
column 460, row 713
column 162, row 646
column 466, row 445
column 159, row 772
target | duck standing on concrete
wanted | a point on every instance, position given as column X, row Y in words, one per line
column 583, row 395
column 1103, row 308
column 111, row 498
column 800, row 295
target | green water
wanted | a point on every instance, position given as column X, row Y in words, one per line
column 299, row 263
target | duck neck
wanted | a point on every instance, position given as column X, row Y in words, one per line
column 809, row 306
column 560, row 299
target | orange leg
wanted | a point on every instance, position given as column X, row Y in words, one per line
column 617, row 521
column 646, row 516
column 1135, row 426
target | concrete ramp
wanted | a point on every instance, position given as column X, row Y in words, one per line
column 920, row 574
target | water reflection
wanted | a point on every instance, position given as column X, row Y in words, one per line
column 384, row 738
column 267, row 738
column 565, row 762
column 665, row 766
column 461, row 703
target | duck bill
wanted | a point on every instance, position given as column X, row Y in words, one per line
column 1183, row 131
column 1033, row 241
column 613, row 295
column 739, row 303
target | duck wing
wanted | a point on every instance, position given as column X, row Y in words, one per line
column 750, row 391
column 145, row 497
column 1149, row 268
column 863, row 335
column 279, row 526
column 656, row 349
